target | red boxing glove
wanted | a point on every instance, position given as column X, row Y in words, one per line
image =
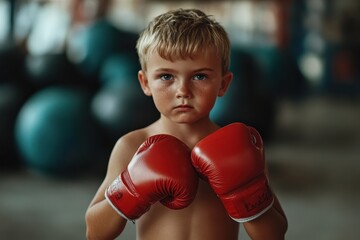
column 160, row 170
column 232, row 161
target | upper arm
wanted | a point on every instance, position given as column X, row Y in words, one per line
column 101, row 220
column 119, row 159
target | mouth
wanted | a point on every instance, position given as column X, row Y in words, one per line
column 183, row 107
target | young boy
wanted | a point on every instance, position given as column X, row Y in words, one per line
column 151, row 177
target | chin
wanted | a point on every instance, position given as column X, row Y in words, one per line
column 189, row 121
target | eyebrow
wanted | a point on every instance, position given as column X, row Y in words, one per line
column 173, row 70
column 204, row 69
column 164, row 70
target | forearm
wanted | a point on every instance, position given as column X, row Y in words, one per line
column 102, row 222
column 272, row 225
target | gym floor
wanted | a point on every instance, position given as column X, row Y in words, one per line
column 313, row 162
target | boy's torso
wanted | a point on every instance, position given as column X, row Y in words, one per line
column 205, row 218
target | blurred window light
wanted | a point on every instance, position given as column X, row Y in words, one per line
column 253, row 23
column 241, row 25
column 50, row 31
column 127, row 15
column 265, row 18
column 157, row 8
column 312, row 66
column 25, row 17
column 243, row 15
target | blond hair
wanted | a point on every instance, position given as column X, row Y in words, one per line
column 182, row 33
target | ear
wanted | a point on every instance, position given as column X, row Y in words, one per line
column 144, row 82
column 225, row 82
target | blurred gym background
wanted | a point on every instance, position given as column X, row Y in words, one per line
column 68, row 90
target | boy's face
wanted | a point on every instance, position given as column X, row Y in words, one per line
column 184, row 90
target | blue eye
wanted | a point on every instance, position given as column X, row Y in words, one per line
column 200, row 77
column 166, row 77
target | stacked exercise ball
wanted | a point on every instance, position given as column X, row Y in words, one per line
column 120, row 109
column 91, row 46
column 55, row 133
column 81, row 100
column 119, row 105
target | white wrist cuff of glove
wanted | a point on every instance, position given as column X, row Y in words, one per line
column 242, row 220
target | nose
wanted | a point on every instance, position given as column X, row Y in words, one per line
column 183, row 89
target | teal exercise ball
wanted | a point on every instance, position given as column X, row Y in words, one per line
column 120, row 109
column 98, row 41
column 54, row 132
column 120, row 69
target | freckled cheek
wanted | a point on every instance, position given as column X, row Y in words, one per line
column 210, row 103
column 162, row 99
column 164, row 92
column 205, row 92
column 206, row 99
column 159, row 91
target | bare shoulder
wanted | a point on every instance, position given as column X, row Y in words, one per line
column 126, row 146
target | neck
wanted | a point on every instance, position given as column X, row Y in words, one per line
column 189, row 133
